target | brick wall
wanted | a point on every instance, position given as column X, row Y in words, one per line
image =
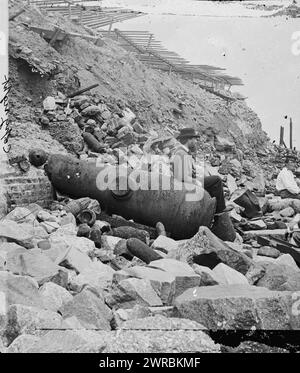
column 24, row 188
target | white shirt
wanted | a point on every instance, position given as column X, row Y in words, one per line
column 286, row 180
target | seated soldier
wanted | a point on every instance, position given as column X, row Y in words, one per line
column 185, row 171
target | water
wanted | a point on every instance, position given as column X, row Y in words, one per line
column 230, row 35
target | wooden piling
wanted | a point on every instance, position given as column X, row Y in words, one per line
column 281, row 141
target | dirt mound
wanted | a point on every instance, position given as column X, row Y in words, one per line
column 161, row 102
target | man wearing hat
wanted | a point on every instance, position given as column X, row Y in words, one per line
column 185, row 171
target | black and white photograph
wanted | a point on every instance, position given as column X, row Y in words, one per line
column 149, row 181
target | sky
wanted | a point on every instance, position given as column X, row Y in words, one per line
column 257, row 49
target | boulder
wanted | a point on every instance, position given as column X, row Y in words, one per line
column 133, row 291
column 256, row 272
column 29, row 320
column 162, row 282
column 207, row 276
column 296, row 205
column 278, row 204
column 18, row 233
column 44, row 215
column 288, row 260
column 223, row 144
column 49, row 226
column 207, row 249
column 54, row 296
column 69, row 218
column 77, row 260
column 256, row 225
column 164, row 244
column 280, row 277
column 36, row 265
column 160, row 322
column 185, row 276
column 20, row 215
column 287, row 212
column 97, row 275
column 22, row 343
column 20, row 290
column 157, row 341
column 68, row 341
column 271, row 252
column 49, row 103
column 224, row 307
column 229, row 276
column 89, row 309
column 122, row 315
column 91, row 110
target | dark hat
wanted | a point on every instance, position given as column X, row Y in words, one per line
column 186, row 133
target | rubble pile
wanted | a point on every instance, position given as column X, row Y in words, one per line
column 73, row 283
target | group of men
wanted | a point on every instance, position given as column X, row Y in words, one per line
column 184, row 167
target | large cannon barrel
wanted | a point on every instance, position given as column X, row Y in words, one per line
column 181, row 217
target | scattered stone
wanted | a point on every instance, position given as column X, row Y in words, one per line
column 97, row 275
column 68, row 341
column 44, row 215
column 154, row 341
column 159, row 322
column 49, row 103
column 288, row 260
column 44, row 245
column 76, row 260
column 165, row 244
column 253, row 347
column 185, row 276
column 18, row 233
column 20, row 215
column 29, row 320
column 236, row 307
column 162, row 282
column 38, row 266
column 255, row 273
column 22, row 343
column 280, row 277
column 268, row 251
column 89, row 309
column 54, row 296
column 287, row 212
column 229, row 276
column 256, row 225
column 68, row 219
column 207, row 249
column 296, row 205
column 207, row 276
column 133, row 291
column 50, row 226
column 91, row 110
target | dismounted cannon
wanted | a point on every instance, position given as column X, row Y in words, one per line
column 181, row 217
